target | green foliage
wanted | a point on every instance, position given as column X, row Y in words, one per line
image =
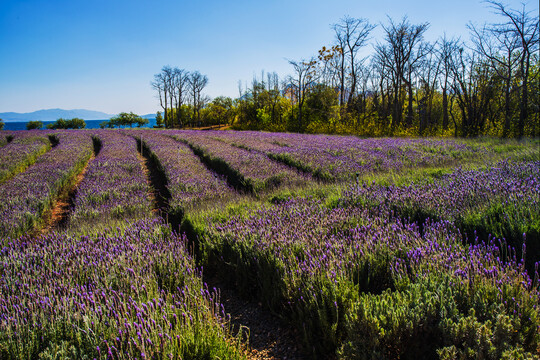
column 74, row 123
column 370, row 111
column 34, row 125
column 2, row 124
column 218, row 111
column 124, row 119
column 431, row 319
column 401, row 324
column 159, row 120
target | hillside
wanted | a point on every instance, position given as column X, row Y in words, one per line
column 53, row 114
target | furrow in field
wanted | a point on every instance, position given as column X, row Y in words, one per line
column 28, row 196
column 157, row 180
column 114, row 188
column 58, row 215
column 5, row 138
column 246, row 170
column 266, row 335
column 181, row 179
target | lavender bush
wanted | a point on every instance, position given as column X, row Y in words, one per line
column 27, row 196
column 502, row 200
column 189, row 182
column 114, row 187
column 335, row 271
column 245, row 169
column 122, row 294
column 20, row 153
column 342, row 157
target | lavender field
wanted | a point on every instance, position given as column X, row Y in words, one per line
column 380, row 248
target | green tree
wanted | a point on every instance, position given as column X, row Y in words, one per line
column 77, row 123
column 321, row 107
column 220, row 111
column 58, row 124
column 159, row 120
column 2, row 124
column 33, row 125
column 74, row 123
column 106, row 124
column 140, row 121
column 127, row 119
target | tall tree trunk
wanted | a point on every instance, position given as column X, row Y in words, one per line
column 524, row 96
column 166, row 117
column 410, row 114
column 507, row 115
column 445, row 108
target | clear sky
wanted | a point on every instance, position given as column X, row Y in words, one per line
column 102, row 54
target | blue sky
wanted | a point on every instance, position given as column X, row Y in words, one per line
column 102, row 55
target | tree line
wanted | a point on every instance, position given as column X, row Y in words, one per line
column 180, row 96
column 121, row 120
column 75, row 123
column 405, row 86
column 124, row 119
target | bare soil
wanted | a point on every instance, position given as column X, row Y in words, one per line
column 265, row 335
column 59, row 214
column 151, row 191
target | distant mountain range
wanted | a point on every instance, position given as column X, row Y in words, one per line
column 149, row 116
column 54, row 114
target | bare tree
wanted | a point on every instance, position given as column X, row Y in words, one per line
column 428, row 74
column 168, row 82
column 305, row 77
column 329, row 62
column 158, row 85
column 473, row 89
column 525, row 27
column 180, row 83
column 501, row 52
column 351, row 35
column 384, row 82
column 274, row 94
column 197, row 83
column 445, row 50
column 402, row 52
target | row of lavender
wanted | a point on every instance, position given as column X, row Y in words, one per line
column 5, row 138
column 188, row 181
column 360, row 281
column 502, row 200
column 114, row 187
column 353, row 277
column 21, row 152
column 246, row 170
column 130, row 293
column 117, row 283
column 29, row 195
column 342, row 157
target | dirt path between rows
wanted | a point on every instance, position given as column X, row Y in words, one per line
column 59, row 214
column 267, row 337
column 152, row 192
